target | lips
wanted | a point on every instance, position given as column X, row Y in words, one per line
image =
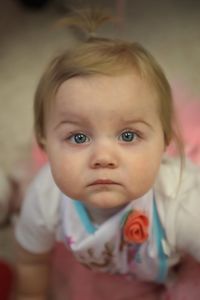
column 102, row 182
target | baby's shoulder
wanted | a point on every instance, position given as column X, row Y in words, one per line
column 43, row 195
column 43, row 182
column 177, row 193
column 176, row 178
column 38, row 223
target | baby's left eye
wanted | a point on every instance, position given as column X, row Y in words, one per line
column 128, row 136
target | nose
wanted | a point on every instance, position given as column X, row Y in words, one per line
column 104, row 157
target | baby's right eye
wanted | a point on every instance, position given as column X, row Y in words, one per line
column 79, row 138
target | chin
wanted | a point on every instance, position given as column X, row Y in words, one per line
column 107, row 202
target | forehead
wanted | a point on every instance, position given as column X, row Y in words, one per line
column 123, row 85
column 105, row 96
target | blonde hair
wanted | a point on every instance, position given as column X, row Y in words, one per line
column 108, row 57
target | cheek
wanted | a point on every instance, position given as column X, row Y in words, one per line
column 60, row 160
column 65, row 179
column 63, row 170
column 144, row 171
column 66, row 172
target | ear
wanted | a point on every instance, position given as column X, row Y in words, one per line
column 39, row 141
column 42, row 144
column 167, row 140
column 39, row 153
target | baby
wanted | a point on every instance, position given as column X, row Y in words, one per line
column 104, row 115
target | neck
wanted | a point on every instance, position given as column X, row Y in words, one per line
column 100, row 215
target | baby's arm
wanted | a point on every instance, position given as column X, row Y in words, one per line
column 187, row 224
column 32, row 272
column 36, row 231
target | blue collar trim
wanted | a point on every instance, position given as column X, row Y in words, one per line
column 84, row 217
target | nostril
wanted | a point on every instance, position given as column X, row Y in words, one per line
column 111, row 164
column 104, row 164
column 97, row 164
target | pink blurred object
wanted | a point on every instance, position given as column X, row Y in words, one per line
column 74, row 281
column 188, row 113
column 187, row 285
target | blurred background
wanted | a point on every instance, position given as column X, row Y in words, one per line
column 29, row 37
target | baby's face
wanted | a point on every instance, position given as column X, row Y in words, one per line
column 104, row 139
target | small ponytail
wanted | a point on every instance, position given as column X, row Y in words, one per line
column 87, row 20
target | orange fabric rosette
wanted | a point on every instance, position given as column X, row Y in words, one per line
column 135, row 229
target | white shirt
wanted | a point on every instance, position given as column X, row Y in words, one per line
column 39, row 225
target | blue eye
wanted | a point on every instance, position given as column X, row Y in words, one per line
column 128, row 136
column 79, row 138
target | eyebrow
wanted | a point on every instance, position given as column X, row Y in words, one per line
column 70, row 122
column 126, row 122
column 133, row 121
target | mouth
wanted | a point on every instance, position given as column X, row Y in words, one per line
column 103, row 182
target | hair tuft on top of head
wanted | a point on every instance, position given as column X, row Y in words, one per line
column 87, row 20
